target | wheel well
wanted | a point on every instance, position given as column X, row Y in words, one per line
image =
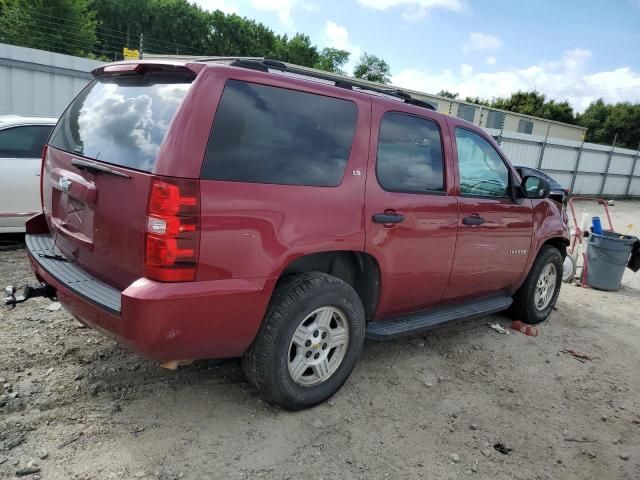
column 358, row 269
column 560, row 243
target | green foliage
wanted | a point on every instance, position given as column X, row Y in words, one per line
column 65, row 26
column 604, row 121
column 332, row 60
column 536, row 104
column 237, row 36
column 373, row 69
column 530, row 103
column 448, row 94
column 299, row 51
column 179, row 27
column 102, row 28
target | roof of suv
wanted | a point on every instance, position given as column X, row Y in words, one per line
column 357, row 88
column 13, row 120
column 269, row 66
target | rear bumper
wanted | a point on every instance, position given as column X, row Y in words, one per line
column 163, row 321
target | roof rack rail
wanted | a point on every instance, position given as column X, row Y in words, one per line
column 266, row 64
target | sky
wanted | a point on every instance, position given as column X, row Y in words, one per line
column 575, row 50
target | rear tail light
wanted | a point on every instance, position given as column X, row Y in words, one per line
column 173, row 230
column 44, row 158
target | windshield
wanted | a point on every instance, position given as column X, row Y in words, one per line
column 121, row 120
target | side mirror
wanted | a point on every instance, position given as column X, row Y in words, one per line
column 535, row 187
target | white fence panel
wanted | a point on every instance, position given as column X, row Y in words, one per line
column 634, row 188
column 616, row 185
column 521, row 153
column 35, row 82
column 563, row 179
column 587, row 183
column 559, row 158
column 621, row 164
column 636, row 171
column 592, row 161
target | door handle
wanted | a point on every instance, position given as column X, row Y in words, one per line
column 387, row 218
column 473, row 220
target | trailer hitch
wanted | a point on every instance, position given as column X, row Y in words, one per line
column 41, row 290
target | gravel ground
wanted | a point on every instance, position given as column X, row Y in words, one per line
column 74, row 404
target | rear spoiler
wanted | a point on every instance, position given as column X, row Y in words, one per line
column 140, row 67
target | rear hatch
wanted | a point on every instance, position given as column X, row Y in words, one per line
column 98, row 166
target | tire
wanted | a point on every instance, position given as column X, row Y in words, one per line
column 524, row 305
column 319, row 309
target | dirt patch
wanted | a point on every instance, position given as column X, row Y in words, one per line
column 460, row 402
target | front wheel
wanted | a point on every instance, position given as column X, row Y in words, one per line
column 534, row 301
column 309, row 341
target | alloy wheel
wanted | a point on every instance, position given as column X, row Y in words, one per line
column 545, row 286
column 318, row 346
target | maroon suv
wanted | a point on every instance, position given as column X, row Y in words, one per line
column 253, row 209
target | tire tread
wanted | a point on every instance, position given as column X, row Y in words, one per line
column 257, row 361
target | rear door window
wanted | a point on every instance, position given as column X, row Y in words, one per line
column 265, row 134
column 24, row 141
column 121, row 120
column 409, row 155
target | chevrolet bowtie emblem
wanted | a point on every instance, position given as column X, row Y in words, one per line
column 64, row 184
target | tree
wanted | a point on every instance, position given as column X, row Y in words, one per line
column 169, row 26
column 373, row 69
column 536, row 104
column 332, row 60
column 235, row 35
column 448, row 94
column 530, row 103
column 299, row 51
column 65, row 26
column 604, row 121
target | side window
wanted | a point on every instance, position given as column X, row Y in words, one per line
column 409, row 154
column 482, row 171
column 264, row 134
column 23, row 142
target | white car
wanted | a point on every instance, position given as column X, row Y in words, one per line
column 21, row 142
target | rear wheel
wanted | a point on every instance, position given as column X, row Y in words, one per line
column 534, row 301
column 309, row 341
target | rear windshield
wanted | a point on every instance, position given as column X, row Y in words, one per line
column 121, row 120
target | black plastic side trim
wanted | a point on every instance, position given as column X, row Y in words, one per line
column 72, row 276
column 423, row 321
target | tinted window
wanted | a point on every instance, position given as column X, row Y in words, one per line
column 121, row 120
column 274, row 135
column 482, row 171
column 525, row 126
column 495, row 119
column 23, row 142
column 466, row 112
column 409, row 154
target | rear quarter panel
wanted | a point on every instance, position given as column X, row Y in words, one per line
column 254, row 230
